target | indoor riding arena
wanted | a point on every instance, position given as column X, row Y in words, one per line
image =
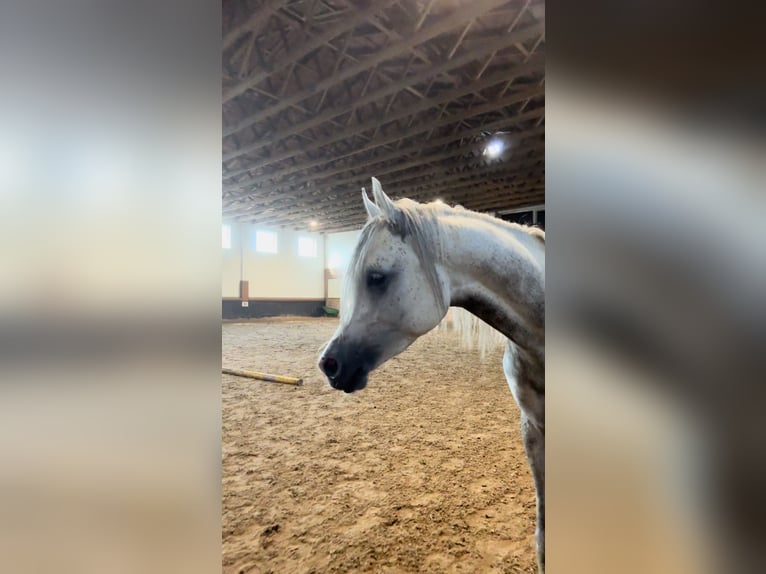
column 425, row 469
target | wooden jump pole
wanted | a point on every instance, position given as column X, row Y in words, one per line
column 263, row 376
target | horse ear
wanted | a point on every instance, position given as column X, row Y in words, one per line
column 382, row 200
column 373, row 210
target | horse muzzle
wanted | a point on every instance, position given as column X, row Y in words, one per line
column 347, row 366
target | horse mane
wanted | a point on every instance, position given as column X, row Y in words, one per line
column 474, row 333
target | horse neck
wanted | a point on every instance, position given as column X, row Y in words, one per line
column 496, row 271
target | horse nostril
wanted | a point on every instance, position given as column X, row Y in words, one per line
column 329, row 366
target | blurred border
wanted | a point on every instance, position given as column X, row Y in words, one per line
column 110, row 217
column 655, row 236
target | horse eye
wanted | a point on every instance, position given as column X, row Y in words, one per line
column 375, row 279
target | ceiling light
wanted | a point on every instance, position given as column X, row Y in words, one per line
column 494, row 148
column 313, row 223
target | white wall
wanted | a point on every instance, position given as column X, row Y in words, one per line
column 281, row 275
column 340, row 247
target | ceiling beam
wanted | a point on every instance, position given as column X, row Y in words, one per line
column 254, row 24
column 435, row 175
column 534, row 197
column 415, row 147
column 403, row 187
column 467, row 193
column 427, row 125
column 418, row 146
column 406, row 111
column 357, row 17
column 362, row 177
column 454, row 18
column 451, row 153
column 317, row 140
column 420, row 75
column 414, row 190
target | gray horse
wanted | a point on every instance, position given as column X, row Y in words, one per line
column 411, row 264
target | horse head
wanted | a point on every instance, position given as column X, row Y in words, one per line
column 393, row 291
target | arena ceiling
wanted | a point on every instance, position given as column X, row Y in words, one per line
column 320, row 95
